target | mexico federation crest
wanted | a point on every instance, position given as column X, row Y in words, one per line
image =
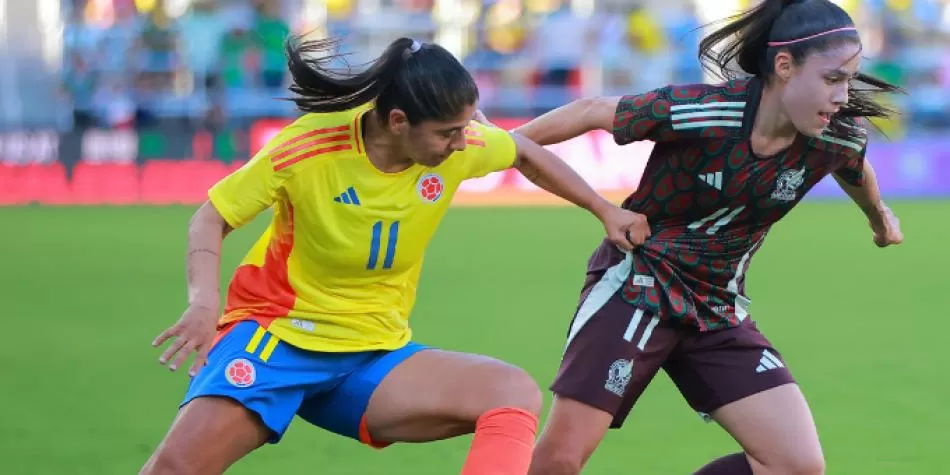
column 787, row 185
column 431, row 187
column 618, row 376
column 240, row 372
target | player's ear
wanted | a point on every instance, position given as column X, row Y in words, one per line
column 784, row 66
column 398, row 123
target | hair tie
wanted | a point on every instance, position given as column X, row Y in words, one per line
column 806, row 38
column 411, row 49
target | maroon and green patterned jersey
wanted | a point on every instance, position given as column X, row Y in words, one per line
column 710, row 201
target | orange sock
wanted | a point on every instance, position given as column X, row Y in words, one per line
column 503, row 442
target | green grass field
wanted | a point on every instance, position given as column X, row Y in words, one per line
column 84, row 291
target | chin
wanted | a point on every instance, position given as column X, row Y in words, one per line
column 812, row 132
column 435, row 161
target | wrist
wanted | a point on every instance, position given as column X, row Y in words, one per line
column 600, row 207
column 875, row 211
column 210, row 301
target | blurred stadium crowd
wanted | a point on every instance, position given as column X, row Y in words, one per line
column 119, row 63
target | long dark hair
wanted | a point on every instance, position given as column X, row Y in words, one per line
column 423, row 80
column 745, row 40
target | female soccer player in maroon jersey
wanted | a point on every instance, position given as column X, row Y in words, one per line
column 729, row 161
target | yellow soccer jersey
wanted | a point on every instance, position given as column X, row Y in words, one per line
column 338, row 267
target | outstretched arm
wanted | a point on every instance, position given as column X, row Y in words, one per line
column 233, row 202
column 195, row 330
column 571, row 120
column 206, row 231
column 885, row 225
column 624, row 228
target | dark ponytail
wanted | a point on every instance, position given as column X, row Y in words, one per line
column 745, row 41
column 746, row 38
column 423, row 80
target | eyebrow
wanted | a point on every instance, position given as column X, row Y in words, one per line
column 840, row 72
column 453, row 128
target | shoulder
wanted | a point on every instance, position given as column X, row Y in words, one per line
column 849, row 140
column 709, row 110
column 684, row 95
column 487, row 149
column 693, row 110
column 480, row 137
column 315, row 137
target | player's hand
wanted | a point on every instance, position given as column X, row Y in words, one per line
column 887, row 229
column 193, row 332
column 625, row 229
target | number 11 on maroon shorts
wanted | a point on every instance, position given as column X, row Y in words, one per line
column 614, row 350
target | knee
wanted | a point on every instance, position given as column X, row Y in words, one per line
column 515, row 388
column 795, row 464
column 813, row 464
column 163, row 462
column 555, row 462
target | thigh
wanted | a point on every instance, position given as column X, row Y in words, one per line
column 420, row 394
column 613, row 352
column 613, row 348
column 737, row 378
column 776, row 430
column 231, row 407
column 343, row 410
column 267, row 376
column 572, row 432
column 713, row 369
column 208, row 436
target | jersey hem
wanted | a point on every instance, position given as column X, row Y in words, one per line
column 225, row 210
column 314, row 342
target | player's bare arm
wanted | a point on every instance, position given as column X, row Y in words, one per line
column 196, row 328
column 571, row 120
column 884, row 223
column 625, row 228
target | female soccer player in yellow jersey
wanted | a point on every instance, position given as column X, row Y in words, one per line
column 316, row 320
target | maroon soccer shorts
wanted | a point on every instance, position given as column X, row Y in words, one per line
column 614, row 350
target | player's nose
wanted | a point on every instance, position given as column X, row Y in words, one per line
column 457, row 144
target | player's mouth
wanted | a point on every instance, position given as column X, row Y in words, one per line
column 825, row 117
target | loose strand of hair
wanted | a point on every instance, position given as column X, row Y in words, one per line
column 862, row 104
column 320, row 88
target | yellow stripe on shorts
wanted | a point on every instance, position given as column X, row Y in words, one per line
column 269, row 347
column 255, row 340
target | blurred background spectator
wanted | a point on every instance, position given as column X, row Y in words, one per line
column 219, row 63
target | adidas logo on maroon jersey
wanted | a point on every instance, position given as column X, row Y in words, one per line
column 712, row 179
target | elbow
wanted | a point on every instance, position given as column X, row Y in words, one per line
column 596, row 112
column 208, row 219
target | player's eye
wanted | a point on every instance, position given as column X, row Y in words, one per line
column 836, row 79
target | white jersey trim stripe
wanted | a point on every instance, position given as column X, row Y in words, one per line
column 696, row 115
column 706, row 123
column 709, row 105
column 602, row 291
column 742, row 302
column 856, row 145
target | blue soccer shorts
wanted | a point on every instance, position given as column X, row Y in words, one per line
column 276, row 381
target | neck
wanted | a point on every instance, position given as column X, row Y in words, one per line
column 381, row 147
column 770, row 122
